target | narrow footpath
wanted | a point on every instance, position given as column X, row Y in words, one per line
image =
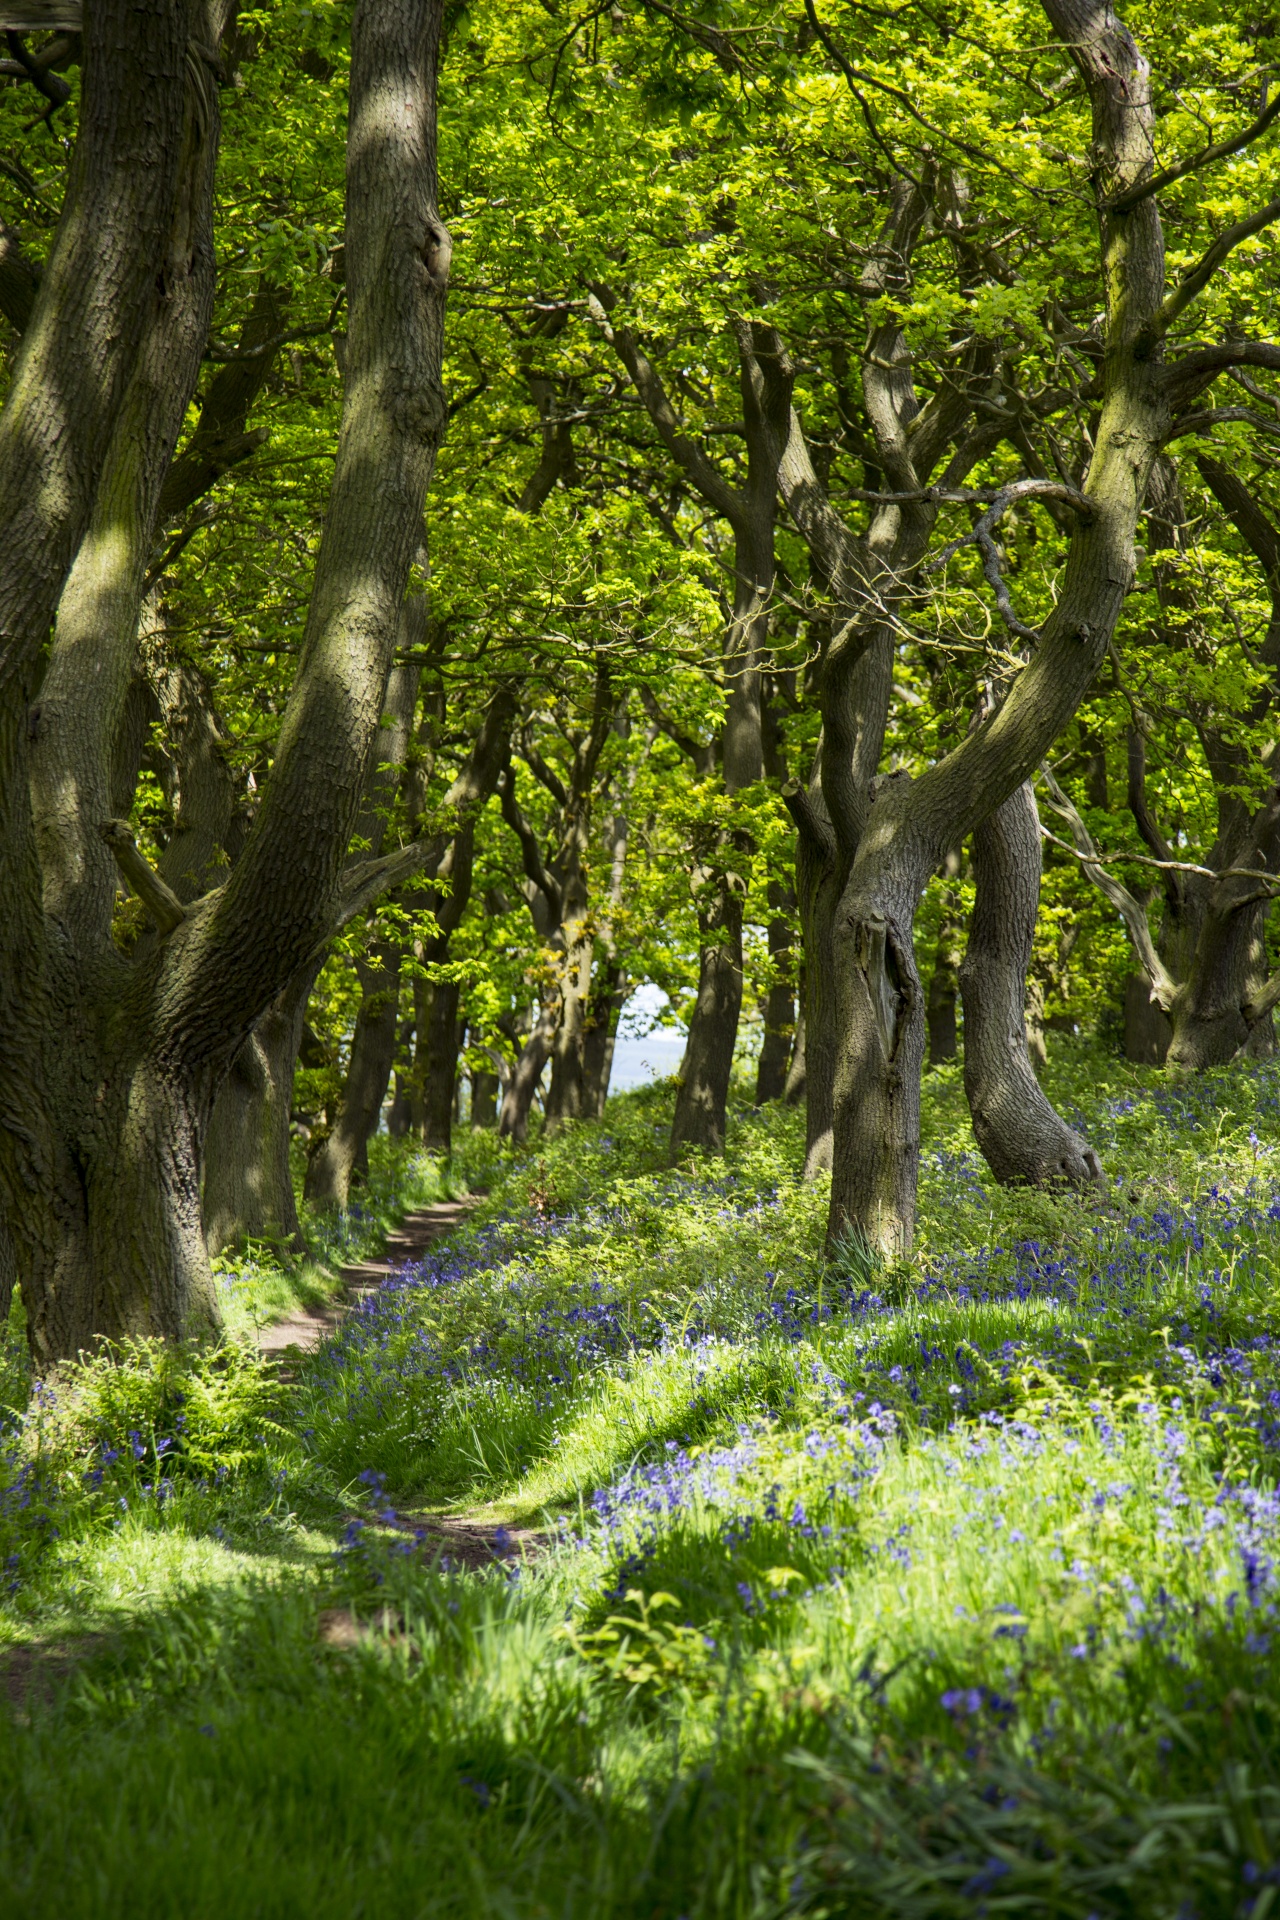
column 462, row 1539
column 306, row 1327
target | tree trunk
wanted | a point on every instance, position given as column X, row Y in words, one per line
column 703, row 1095
column 780, row 1003
column 344, row 1154
column 1147, row 1031
column 400, row 1118
column 944, row 984
column 484, row 1100
column 1023, row 1140
column 513, row 1121
column 1228, row 968
column 102, row 1193
column 443, row 1038
column 248, row 1182
column 608, row 997
column 797, row 1072
column 818, row 892
column 568, row 1066
column 881, row 1042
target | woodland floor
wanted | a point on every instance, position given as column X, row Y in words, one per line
column 302, row 1329
column 610, row 1553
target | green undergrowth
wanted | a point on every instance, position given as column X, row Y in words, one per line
column 943, row 1589
column 261, row 1281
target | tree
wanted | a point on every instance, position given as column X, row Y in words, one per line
column 124, row 1056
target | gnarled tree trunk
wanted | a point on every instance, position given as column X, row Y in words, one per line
column 1024, row 1140
column 912, row 824
column 126, row 1054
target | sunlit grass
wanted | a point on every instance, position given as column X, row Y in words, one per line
column 882, row 1592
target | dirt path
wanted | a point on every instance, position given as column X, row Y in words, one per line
column 305, row 1328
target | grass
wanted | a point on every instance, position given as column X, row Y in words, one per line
column 948, row 1589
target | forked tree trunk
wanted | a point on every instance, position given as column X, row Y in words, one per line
column 1023, row 1139
column 104, row 1211
column 248, row 1182
column 513, row 1121
column 881, row 1045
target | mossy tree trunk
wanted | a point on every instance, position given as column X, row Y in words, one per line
column 101, row 1151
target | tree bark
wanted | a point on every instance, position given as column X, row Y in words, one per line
column 912, row 824
column 944, row 983
column 608, row 997
column 780, row 1002
column 797, row 1072
column 1147, row 1032
column 443, row 1043
column 703, row 1096
column 513, row 1120
column 102, row 1195
column 1023, row 1139
column 248, row 1181
column 484, row 1100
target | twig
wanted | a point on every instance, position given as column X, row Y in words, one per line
column 1270, row 880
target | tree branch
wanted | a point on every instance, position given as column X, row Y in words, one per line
column 1143, row 818
column 160, row 901
column 1190, row 375
column 1143, row 189
column 368, row 880
column 1209, row 417
column 715, row 490
column 545, row 776
column 700, row 755
column 530, row 852
column 808, row 822
column 1195, row 282
column 1268, row 998
column 1131, row 911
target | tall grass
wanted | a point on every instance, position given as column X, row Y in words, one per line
column 943, row 1589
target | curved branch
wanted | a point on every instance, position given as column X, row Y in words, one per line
column 530, row 852
column 1143, row 189
column 808, row 822
column 160, row 901
column 715, row 490
column 1193, row 284
column 1163, row 986
column 1184, row 378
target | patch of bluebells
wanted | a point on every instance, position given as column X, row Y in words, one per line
column 632, row 1514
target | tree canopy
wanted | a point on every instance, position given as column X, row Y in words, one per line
column 854, row 517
